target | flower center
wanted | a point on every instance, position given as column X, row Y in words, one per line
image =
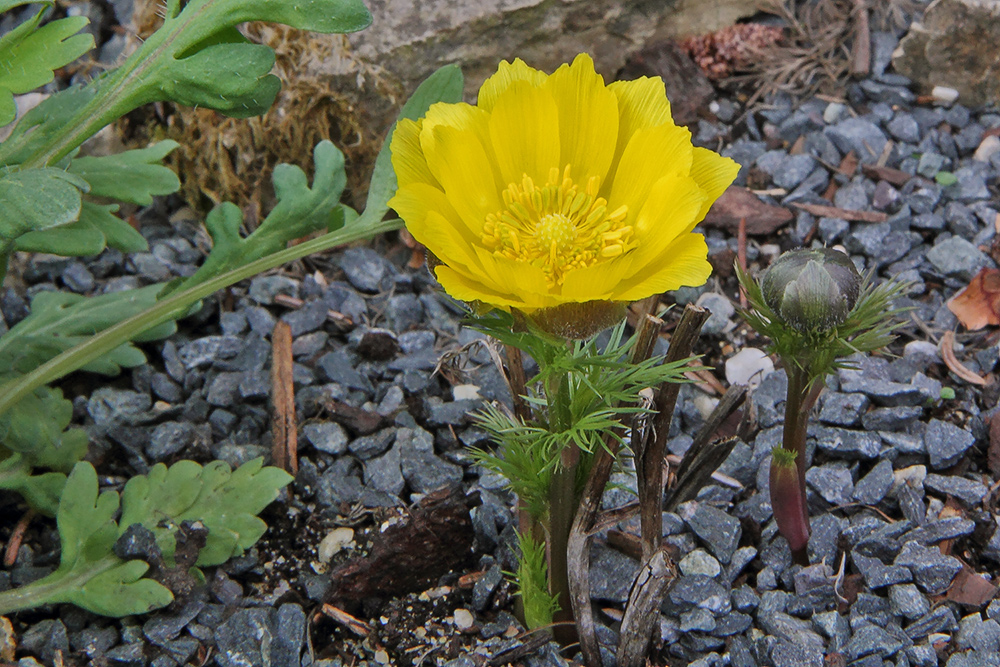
column 557, row 227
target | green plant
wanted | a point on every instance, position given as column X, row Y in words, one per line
column 55, row 202
column 816, row 309
column 98, row 574
column 582, row 399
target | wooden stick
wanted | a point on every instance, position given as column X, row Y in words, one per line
column 516, row 382
column 16, row 538
column 704, row 457
column 861, row 57
column 649, row 455
column 284, row 449
column 577, row 546
column 655, row 576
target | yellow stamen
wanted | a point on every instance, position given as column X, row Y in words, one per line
column 557, row 227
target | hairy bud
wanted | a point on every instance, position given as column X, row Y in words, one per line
column 812, row 289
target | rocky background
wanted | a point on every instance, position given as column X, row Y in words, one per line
column 900, row 166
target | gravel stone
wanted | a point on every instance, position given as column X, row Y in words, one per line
column 847, row 444
column 108, row 406
column 843, row 409
column 931, row 570
column 264, row 289
column 719, row 530
column 877, row 574
column 832, row 482
column 946, row 443
column 338, row 367
column 169, row 438
column 891, row 419
column 859, row 135
column 793, row 170
column 904, row 127
column 873, row 487
column 969, row 492
column 872, row 639
column 907, row 601
column 384, row 474
column 958, row 258
column 721, row 309
column 425, row 472
column 366, row 270
column 794, row 631
column 938, row 619
column 611, row 574
column 935, row 531
column 328, row 437
column 692, row 591
column 978, row 635
column 203, row 352
column 700, row 562
column 340, row 483
column 310, row 317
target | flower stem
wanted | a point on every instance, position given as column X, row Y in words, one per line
column 802, row 395
column 562, row 507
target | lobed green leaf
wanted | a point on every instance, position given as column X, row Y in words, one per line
column 60, row 320
column 36, row 199
column 29, row 55
column 134, row 176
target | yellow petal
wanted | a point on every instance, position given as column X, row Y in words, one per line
column 651, row 154
column 407, row 156
column 524, row 281
column 670, row 210
column 588, row 118
column 714, row 174
column 642, row 104
column 432, row 220
column 596, row 282
column 684, row 263
column 463, row 117
column 464, row 288
column 464, row 170
column 524, row 129
column 507, row 73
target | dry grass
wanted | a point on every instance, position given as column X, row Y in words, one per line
column 226, row 159
column 815, row 55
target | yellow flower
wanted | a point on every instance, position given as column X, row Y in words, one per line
column 557, row 190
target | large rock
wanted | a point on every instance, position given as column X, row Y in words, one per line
column 955, row 46
column 410, row 40
column 349, row 88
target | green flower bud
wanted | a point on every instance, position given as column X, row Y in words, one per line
column 812, row 289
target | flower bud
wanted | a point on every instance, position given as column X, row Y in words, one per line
column 788, row 500
column 812, row 289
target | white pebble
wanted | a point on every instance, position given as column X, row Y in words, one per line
column 336, row 540
column 699, row 561
column 921, row 348
column 989, row 147
column 748, row 366
column 464, row 619
column 944, row 95
column 462, row 392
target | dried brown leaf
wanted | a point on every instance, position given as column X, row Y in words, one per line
column 993, row 454
column 842, row 213
column 978, row 304
column 947, row 348
column 736, row 203
column 969, row 588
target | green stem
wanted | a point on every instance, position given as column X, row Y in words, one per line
column 119, row 92
column 175, row 306
column 562, row 508
column 55, row 588
column 800, row 399
column 4, row 260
